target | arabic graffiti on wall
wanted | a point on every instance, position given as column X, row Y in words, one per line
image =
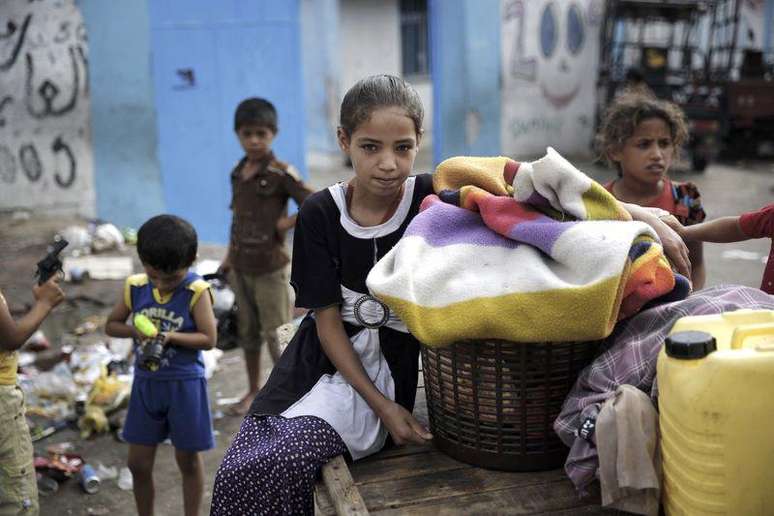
column 45, row 149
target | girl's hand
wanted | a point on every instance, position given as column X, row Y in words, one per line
column 673, row 244
column 402, row 426
column 48, row 294
column 662, row 223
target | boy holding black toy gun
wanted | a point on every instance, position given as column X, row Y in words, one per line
column 18, row 485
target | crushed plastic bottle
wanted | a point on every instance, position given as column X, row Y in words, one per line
column 125, row 479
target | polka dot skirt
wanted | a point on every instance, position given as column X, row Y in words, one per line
column 271, row 466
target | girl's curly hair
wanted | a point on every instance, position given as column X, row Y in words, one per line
column 630, row 109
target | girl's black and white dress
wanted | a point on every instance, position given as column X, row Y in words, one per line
column 307, row 413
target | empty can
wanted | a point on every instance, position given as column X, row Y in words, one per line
column 88, row 479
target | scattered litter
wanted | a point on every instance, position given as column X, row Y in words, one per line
column 210, row 358
column 93, row 421
column 285, row 333
column 116, row 367
column 218, row 414
column 203, row 267
column 120, row 347
column 105, row 472
column 107, row 237
column 125, row 479
column 57, row 383
column 227, row 401
column 91, row 324
column 60, row 448
column 108, row 393
column 738, row 254
column 40, row 432
column 59, row 466
column 130, row 236
column 88, row 479
column 77, row 274
column 25, row 358
column 99, row 267
column 37, row 342
column 20, row 216
column 79, row 239
column 46, row 485
column 116, row 421
column 88, row 362
column 99, row 510
column 223, row 305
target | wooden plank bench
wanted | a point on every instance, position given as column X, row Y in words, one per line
column 422, row 480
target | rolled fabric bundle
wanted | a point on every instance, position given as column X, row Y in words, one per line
column 558, row 261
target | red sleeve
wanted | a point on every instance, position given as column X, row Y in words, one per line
column 758, row 224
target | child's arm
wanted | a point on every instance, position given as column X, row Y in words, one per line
column 698, row 270
column 14, row 334
column 722, row 230
column 298, row 191
column 116, row 322
column 204, row 317
column 337, row 346
column 284, row 224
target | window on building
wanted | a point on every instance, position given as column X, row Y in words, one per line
column 414, row 40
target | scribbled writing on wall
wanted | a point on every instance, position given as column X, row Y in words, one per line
column 45, row 148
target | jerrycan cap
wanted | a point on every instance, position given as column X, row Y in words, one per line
column 690, row 344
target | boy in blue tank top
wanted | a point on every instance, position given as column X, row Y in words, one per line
column 172, row 400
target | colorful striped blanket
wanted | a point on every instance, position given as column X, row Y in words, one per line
column 530, row 252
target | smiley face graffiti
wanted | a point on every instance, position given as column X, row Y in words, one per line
column 562, row 39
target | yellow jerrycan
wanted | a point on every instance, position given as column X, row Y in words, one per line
column 716, row 414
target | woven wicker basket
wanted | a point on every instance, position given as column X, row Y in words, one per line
column 492, row 403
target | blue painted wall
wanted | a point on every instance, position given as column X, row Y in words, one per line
column 321, row 72
column 208, row 56
column 123, row 122
column 465, row 46
column 768, row 27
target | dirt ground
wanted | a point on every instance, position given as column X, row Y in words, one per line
column 727, row 189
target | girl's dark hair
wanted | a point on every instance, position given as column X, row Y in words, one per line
column 378, row 91
column 627, row 112
column 167, row 243
column 256, row 111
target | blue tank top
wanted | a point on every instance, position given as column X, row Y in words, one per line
column 168, row 313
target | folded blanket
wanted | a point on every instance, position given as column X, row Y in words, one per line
column 560, row 260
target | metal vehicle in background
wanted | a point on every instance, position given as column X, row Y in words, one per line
column 692, row 53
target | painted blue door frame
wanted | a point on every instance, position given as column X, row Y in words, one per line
column 465, row 47
column 207, row 56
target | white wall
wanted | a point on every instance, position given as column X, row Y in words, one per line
column 45, row 141
column 370, row 39
column 548, row 93
column 370, row 44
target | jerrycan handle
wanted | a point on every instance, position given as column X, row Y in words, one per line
column 750, row 330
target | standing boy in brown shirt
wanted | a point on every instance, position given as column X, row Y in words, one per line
column 256, row 259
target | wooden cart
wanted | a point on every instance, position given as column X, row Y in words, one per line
column 421, row 480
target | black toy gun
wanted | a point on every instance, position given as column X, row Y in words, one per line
column 50, row 264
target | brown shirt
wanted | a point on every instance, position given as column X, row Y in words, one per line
column 256, row 247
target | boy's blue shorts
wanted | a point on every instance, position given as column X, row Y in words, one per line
column 178, row 409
